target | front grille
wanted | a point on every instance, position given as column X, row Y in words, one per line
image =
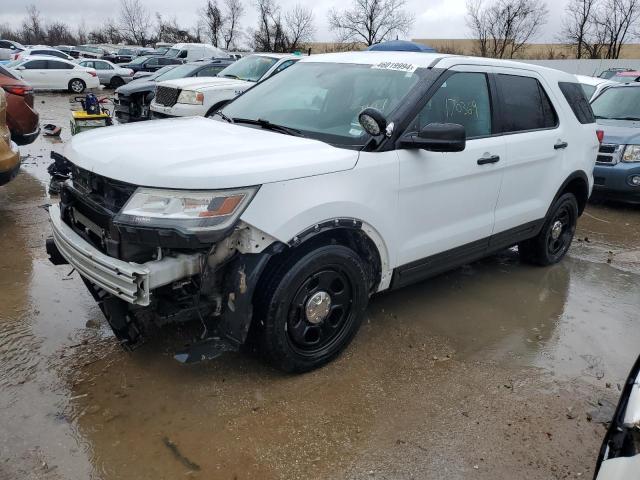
column 167, row 96
column 609, row 153
column 106, row 192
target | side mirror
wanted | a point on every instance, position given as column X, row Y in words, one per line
column 437, row 137
column 20, row 68
column 373, row 122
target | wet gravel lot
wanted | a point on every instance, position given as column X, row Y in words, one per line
column 494, row 371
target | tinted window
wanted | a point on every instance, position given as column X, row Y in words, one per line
column 36, row 65
column 209, row 71
column 579, row 103
column 588, row 90
column 102, row 66
column 284, row 65
column 55, row 65
column 183, row 54
column 152, row 62
column 618, row 103
column 525, row 105
column 463, row 99
column 4, row 44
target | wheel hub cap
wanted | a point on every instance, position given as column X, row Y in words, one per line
column 318, row 307
column 556, row 230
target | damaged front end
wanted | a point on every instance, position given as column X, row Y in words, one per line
column 152, row 257
column 620, row 453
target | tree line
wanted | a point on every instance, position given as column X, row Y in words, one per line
column 499, row 28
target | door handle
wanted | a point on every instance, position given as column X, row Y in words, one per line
column 561, row 145
column 491, row 159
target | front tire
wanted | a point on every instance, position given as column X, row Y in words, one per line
column 77, row 86
column 116, row 82
column 311, row 307
column 553, row 242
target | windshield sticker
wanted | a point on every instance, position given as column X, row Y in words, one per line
column 397, row 66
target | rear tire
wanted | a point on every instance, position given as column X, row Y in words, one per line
column 552, row 243
column 77, row 86
column 116, row 82
column 311, row 307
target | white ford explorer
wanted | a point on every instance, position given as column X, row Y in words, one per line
column 343, row 176
column 187, row 97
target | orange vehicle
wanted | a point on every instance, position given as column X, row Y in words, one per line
column 9, row 154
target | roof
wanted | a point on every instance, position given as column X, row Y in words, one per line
column 24, row 58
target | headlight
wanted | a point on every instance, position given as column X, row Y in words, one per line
column 631, row 154
column 191, row 97
column 187, row 211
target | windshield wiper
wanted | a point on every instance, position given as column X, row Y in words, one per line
column 223, row 116
column 267, row 125
column 632, row 119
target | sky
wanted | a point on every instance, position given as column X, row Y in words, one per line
column 433, row 18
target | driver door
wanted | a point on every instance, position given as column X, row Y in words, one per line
column 447, row 201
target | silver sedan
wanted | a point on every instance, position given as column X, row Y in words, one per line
column 109, row 74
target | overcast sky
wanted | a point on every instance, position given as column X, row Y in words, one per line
column 433, row 18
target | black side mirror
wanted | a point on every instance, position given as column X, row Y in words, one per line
column 436, row 137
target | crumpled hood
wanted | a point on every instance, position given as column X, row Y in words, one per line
column 137, row 86
column 206, row 83
column 620, row 132
column 202, row 153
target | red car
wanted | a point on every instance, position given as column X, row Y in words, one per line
column 22, row 119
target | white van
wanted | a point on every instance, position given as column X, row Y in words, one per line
column 190, row 52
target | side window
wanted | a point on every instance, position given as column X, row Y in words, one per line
column 283, row 66
column 86, row 64
column 463, row 99
column 209, row 71
column 525, row 105
column 152, row 62
column 4, row 44
column 55, row 65
column 182, row 54
column 36, row 65
column 578, row 102
column 102, row 66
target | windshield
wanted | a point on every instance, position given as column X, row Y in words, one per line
column 323, row 100
column 161, row 50
column 172, row 52
column 588, row 90
column 180, row 71
column 125, row 51
column 250, row 68
column 625, row 78
column 621, row 103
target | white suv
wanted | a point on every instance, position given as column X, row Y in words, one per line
column 186, row 97
column 346, row 175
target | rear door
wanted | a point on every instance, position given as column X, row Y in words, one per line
column 104, row 71
column 536, row 145
column 59, row 73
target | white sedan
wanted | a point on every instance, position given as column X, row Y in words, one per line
column 47, row 73
column 109, row 74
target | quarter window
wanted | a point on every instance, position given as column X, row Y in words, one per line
column 525, row 104
column 463, row 99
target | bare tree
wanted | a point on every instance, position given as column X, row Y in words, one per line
column 579, row 25
column 58, row 33
column 214, row 21
column 615, row 21
column 371, row 21
column 234, row 11
column 299, row 26
column 134, row 21
column 505, row 26
column 33, row 31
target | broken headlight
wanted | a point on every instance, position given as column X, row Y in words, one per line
column 188, row 211
column 631, row 154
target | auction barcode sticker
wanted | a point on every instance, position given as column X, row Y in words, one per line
column 398, row 66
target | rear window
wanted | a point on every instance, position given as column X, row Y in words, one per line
column 579, row 103
column 525, row 105
column 7, row 73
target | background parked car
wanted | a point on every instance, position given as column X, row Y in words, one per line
column 91, row 51
column 190, row 52
column 617, row 171
column 110, row 75
column 45, row 73
column 629, row 76
column 9, row 154
column 69, row 50
column 133, row 100
column 8, row 48
column 43, row 50
column 150, row 63
column 592, row 86
column 22, row 119
column 127, row 54
column 204, row 96
column 612, row 72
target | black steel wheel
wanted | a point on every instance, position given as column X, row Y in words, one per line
column 312, row 306
column 554, row 240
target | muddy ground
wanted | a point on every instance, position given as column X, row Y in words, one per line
column 494, row 371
